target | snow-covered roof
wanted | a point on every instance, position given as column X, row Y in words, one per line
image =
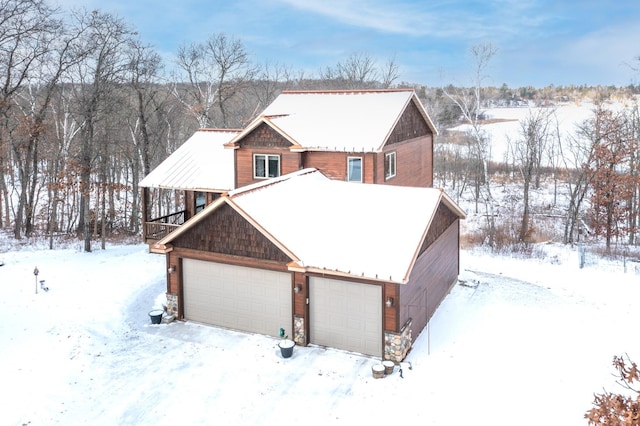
column 335, row 227
column 201, row 163
column 355, row 121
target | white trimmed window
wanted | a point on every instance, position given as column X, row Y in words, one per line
column 266, row 166
column 389, row 165
column 354, row 169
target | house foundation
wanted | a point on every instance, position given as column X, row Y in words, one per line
column 397, row 345
column 299, row 335
column 172, row 304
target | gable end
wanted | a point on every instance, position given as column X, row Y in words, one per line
column 410, row 125
column 264, row 136
column 225, row 231
column 443, row 218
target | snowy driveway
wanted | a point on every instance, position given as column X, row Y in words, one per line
column 525, row 352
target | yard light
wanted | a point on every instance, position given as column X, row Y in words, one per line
column 389, row 302
column 36, row 272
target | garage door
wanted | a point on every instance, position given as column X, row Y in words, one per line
column 246, row 299
column 346, row 315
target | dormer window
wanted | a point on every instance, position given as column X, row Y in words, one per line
column 266, row 166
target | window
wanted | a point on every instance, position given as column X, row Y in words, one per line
column 266, row 166
column 200, row 201
column 389, row 165
column 354, row 169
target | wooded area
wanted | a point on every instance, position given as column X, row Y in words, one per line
column 87, row 110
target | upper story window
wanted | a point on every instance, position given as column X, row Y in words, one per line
column 389, row 165
column 200, row 201
column 266, row 166
column 354, row 169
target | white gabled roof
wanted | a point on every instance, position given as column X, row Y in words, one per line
column 201, row 163
column 342, row 228
column 354, row 121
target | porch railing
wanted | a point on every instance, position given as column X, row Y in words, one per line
column 160, row 227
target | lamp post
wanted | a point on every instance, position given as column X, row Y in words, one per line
column 36, row 272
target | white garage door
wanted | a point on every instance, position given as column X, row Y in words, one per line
column 246, row 299
column 346, row 315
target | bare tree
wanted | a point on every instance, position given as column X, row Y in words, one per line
column 34, row 102
column 212, row 74
column 144, row 128
column 528, row 151
column 470, row 102
column 25, row 32
column 389, row 73
column 270, row 81
column 107, row 38
column 358, row 70
column 574, row 155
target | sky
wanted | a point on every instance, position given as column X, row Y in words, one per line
column 538, row 42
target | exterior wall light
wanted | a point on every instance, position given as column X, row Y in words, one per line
column 171, row 269
column 297, row 288
column 389, row 302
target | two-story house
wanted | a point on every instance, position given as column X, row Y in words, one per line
column 321, row 219
column 368, row 136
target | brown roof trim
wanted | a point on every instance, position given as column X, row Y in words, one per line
column 346, row 91
column 219, row 130
column 262, row 119
column 447, row 201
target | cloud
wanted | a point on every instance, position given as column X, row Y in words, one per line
column 399, row 18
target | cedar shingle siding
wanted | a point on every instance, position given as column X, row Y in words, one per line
column 226, row 232
column 411, row 125
column 264, row 136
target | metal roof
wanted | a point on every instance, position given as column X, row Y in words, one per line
column 344, row 120
column 339, row 228
column 201, row 163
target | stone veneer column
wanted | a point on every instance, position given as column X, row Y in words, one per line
column 397, row 345
column 172, row 304
column 298, row 331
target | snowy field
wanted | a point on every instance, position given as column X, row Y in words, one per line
column 564, row 118
column 521, row 342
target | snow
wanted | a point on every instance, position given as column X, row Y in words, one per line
column 345, row 212
column 520, row 341
column 340, row 121
column 201, row 163
column 504, row 132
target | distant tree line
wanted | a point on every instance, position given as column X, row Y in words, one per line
column 87, row 109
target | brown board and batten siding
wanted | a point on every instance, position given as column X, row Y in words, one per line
column 289, row 162
column 412, row 140
column 334, row 164
column 414, row 163
column 434, row 273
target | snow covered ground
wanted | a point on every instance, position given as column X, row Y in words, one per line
column 522, row 342
column 565, row 118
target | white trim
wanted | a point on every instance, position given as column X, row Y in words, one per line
column 395, row 164
column 266, row 166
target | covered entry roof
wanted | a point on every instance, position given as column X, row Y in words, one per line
column 200, row 164
column 337, row 228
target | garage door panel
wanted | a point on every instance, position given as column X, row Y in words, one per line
column 346, row 315
column 246, row 299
